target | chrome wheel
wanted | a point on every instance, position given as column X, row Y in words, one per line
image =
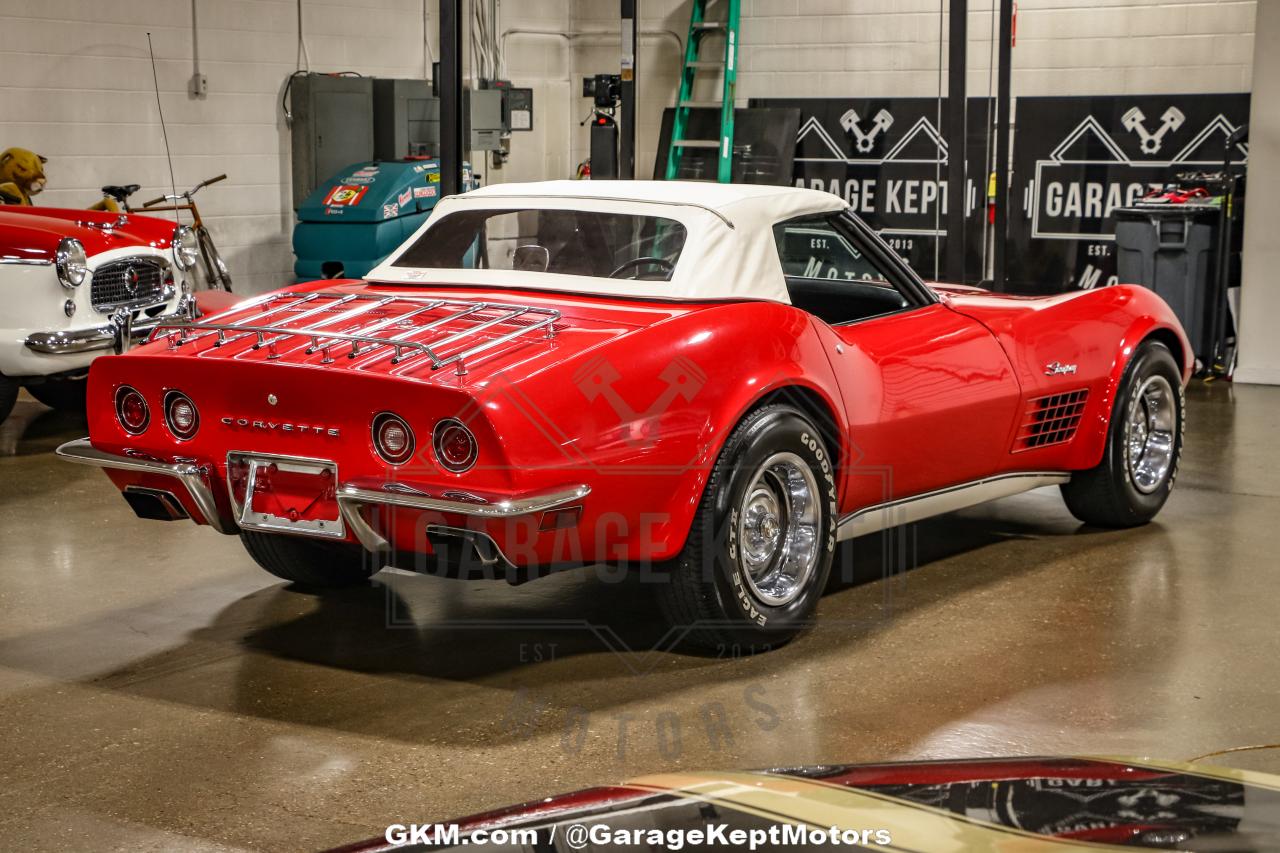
column 1150, row 434
column 778, row 529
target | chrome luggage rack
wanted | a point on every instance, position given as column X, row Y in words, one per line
column 271, row 324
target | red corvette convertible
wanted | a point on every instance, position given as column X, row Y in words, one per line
column 719, row 382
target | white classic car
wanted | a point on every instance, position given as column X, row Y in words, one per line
column 78, row 283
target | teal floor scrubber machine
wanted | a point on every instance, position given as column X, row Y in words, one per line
column 360, row 215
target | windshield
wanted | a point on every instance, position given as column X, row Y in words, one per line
column 565, row 242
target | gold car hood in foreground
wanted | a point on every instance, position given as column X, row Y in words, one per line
column 1018, row 804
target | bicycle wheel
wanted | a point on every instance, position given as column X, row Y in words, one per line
column 215, row 271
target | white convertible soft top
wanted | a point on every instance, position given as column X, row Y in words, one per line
column 729, row 252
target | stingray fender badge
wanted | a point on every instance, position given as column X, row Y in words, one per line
column 1057, row 368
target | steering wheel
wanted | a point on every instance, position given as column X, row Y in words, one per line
column 665, row 264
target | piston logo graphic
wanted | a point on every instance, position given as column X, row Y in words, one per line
column 1134, row 122
column 865, row 140
column 683, row 380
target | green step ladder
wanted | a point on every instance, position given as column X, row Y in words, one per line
column 700, row 28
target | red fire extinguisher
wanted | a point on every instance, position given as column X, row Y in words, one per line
column 991, row 199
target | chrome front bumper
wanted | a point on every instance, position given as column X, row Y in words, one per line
column 118, row 334
column 196, row 479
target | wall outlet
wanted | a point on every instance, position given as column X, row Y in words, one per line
column 199, row 86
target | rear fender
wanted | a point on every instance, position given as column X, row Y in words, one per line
column 644, row 418
column 805, row 382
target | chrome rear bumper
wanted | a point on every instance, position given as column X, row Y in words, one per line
column 196, row 479
column 351, row 499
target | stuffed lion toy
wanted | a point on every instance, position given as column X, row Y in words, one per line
column 21, row 175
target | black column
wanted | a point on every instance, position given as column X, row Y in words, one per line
column 957, row 136
column 630, row 52
column 1003, row 125
column 450, row 85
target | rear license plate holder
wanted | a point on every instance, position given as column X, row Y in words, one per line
column 257, row 469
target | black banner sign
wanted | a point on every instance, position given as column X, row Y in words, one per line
column 1077, row 159
column 887, row 157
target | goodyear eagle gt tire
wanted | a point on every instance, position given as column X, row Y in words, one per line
column 309, row 563
column 1144, row 444
column 761, row 545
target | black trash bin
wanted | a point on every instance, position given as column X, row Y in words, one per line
column 1171, row 250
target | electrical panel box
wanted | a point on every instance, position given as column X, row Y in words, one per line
column 332, row 127
column 519, row 109
column 482, row 117
column 517, row 105
column 406, row 119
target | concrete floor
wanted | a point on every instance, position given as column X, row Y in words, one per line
column 159, row 691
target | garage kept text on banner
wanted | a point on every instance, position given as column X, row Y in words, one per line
column 1077, row 159
column 887, row 157
column 1074, row 161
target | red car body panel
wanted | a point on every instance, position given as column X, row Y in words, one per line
column 1096, row 330
column 636, row 398
column 925, row 391
column 33, row 233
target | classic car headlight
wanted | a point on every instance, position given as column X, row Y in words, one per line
column 186, row 251
column 71, row 263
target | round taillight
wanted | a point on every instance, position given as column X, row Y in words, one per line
column 456, row 448
column 181, row 415
column 131, row 410
column 392, row 438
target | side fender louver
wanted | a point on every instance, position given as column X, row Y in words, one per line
column 1051, row 420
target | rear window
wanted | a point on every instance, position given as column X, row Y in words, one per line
column 564, row 242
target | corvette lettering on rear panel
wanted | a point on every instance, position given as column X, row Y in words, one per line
column 276, row 426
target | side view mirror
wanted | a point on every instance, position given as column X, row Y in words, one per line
column 1240, row 134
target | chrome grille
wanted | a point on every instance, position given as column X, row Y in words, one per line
column 131, row 282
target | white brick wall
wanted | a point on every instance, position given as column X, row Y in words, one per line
column 77, row 83
column 539, row 56
column 77, row 88
column 831, row 48
column 1064, row 47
